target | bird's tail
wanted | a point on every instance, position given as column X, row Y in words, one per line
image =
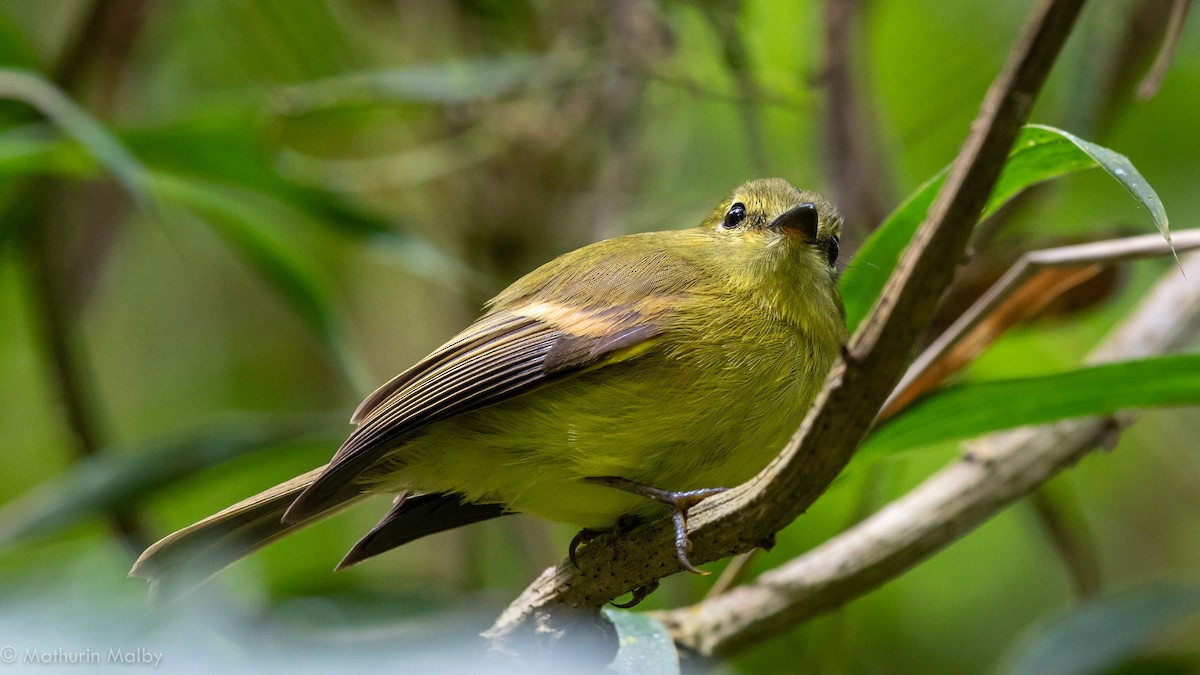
column 184, row 559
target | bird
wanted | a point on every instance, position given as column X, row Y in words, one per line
column 621, row 381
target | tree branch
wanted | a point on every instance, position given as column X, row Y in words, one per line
column 850, row 142
column 996, row 471
column 1150, row 85
column 748, row 515
column 98, row 49
column 722, row 18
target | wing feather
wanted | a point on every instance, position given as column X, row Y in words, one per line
column 480, row 332
column 592, row 306
column 501, row 356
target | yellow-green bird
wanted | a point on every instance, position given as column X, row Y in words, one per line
column 643, row 370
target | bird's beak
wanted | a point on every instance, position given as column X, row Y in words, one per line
column 800, row 219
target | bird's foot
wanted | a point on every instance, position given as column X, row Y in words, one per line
column 587, row 534
column 679, row 502
column 639, row 594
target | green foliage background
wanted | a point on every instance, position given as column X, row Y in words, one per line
column 285, row 203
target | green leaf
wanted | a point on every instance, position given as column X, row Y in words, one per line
column 1115, row 164
column 41, row 94
column 1102, row 634
column 242, row 222
column 443, row 83
column 116, row 478
column 967, row 410
column 15, row 50
column 224, row 147
column 36, row 149
column 645, row 647
column 1039, row 154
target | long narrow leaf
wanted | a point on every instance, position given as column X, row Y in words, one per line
column 967, row 410
column 242, row 223
column 219, row 151
column 120, row 478
column 1115, row 164
column 440, row 83
column 40, row 93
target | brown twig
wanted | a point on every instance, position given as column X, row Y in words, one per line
column 98, row 47
column 1071, row 540
column 69, row 372
column 852, row 155
column 1166, row 54
column 995, row 472
column 746, row 516
column 1035, row 279
column 722, row 18
column 636, row 36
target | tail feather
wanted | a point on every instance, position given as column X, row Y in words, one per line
column 415, row 516
column 186, row 558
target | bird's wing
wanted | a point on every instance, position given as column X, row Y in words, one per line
column 506, row 353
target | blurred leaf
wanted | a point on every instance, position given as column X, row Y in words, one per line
column 225, row 150
column 119, row 477
column 1039, row 154
column 645, row 646
column 278, row 260
column 1102, row 634
column 443, row 83
column 41, row 94
column 15, row 50
column 35, row 149
column 968, row 410
column 307, row 36
column 225, row 147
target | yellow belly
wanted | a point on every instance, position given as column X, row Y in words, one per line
column 661, row 420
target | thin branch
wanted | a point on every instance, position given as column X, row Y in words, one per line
column 722, row 18
column 733, row 574
column 1071, row 540
column 995, row 309
column 1166, row 54
column 63, row 359
column 996, row 472
column 68, row 368
column 850, row 147
column 750, row 514
column 631, row 21
column 98, row 49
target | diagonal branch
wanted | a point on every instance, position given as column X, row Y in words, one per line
column 98, row 49
column 1015, row 297
column 996, row 472
column 1150, row 85
column 748, row 515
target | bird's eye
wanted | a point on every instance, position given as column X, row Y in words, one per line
column 737, row 213
column 832, row 250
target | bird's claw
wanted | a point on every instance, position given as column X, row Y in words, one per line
column 679, row 502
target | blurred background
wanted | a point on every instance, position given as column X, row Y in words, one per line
column 223, row 222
